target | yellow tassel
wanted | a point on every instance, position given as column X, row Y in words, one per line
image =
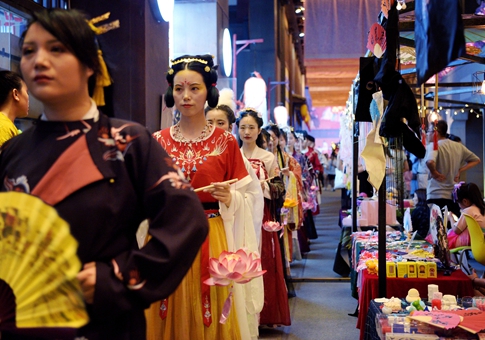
column 102, row 80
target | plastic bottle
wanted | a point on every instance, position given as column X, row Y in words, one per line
column 436, row 302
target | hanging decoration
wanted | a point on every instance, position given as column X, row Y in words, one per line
column 401, row 100
column 386, row 6
column 376, row 40
column 401, row 5
column 305, row 115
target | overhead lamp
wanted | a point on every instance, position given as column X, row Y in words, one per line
column 300, row 9
column 162, row 9
column 227, row 52
column 301, row 35
column 281, row 115
column 255, row 95
column 433, row 117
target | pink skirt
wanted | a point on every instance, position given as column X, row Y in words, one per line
column 461, row 240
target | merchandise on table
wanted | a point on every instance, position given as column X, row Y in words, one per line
column 459, row 324
column 404, row 258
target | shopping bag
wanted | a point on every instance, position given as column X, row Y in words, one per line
column 340, row 179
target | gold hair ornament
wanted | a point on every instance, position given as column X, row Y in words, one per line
column 248, row 108
column 103, row 78
column 189, row 60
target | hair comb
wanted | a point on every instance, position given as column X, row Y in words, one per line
column 189, row 60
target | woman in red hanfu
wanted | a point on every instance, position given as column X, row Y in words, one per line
column 207, row 156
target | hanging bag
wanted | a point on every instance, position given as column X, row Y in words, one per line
column 340, row 179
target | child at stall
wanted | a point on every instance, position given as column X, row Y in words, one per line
column 470, row 201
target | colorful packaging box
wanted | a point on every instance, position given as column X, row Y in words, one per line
column 390, row 269
column 422, row 270
column 412, row 270
column 402, row 269
column 432, row 270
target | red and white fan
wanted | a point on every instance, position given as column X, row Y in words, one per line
column 376, row 40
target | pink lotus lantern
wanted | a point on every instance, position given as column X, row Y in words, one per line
column 272, row 226
column 239, row 267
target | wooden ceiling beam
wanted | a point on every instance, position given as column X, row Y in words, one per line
column 316, row 81
column 329, row 80
column 322, row 102
column 331, row 62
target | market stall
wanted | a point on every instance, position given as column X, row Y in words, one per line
column 456, row 284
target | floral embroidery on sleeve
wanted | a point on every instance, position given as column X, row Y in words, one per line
column 119, row 143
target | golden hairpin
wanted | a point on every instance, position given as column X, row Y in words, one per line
column 189, row 60
column 103, row 28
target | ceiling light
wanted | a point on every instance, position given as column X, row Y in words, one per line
column 301, row 35
column 227, row 52
column 281, row 115
column 162, row 9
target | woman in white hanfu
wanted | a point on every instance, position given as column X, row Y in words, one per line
column 276, row 308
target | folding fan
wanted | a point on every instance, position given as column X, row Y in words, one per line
column 38, row 266
column 376, row 40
